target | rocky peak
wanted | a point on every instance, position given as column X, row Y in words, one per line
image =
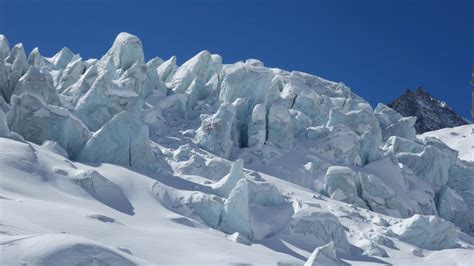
column 431, row 114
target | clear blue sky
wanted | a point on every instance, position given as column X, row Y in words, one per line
column 378, row 48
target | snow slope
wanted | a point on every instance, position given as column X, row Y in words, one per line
column 459, row 138
column 151, row 163
column 47, row 219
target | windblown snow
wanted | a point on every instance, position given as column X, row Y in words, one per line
column 119, row 161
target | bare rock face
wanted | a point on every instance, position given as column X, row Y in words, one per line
column 431, row 114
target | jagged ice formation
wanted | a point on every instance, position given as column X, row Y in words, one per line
column 168, row 121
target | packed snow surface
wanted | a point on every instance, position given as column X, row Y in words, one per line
column 459, row 138
column 119, row 161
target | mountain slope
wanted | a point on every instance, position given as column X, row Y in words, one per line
column 431, row 114
column 458, row 138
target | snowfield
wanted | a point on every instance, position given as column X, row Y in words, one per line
column 459, row 138
column 118, row 161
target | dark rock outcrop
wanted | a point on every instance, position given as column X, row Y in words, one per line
column 431, row 114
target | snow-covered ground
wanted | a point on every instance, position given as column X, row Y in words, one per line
column 119, row 161
column 49, row 219
column 458, row 138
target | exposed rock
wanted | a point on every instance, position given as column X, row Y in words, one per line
column 431, row 114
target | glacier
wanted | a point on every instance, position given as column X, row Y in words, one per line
column 429, row 232
column 38, row 121
column 122, row 140
column 226, row 184
column 226, row 163
column 324, row 255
